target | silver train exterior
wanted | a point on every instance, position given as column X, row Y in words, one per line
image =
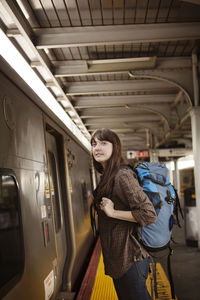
column 45, row 186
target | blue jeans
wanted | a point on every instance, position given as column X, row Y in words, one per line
column 132, row 285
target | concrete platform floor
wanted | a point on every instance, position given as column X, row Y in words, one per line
column 185, row 267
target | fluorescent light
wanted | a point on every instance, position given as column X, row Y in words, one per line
column 119, row 60
column 64, row 103
column 71, row 113
column 77, row 121
column 19, row 64
column 122, row 64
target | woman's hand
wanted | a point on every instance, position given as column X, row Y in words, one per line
column 107, row 206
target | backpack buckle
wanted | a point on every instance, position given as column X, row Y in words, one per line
column 169, row 199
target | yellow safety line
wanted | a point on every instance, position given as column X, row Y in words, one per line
column 163, row 285
column 104, row 288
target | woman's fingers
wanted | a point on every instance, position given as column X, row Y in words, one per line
column 105, row 201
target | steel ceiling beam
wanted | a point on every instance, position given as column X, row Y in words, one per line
column 87, row 88
column 155, row 127
column 161, row 109
column 117, row 34
column 112, row 119
column 121, row 101
column 129, row 126
column 79, row 67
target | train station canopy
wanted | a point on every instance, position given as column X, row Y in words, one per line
column 126, row 65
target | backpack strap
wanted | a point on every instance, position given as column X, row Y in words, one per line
column 151, row 285
column 177, row 208
column 154, row 287
column 170, row 273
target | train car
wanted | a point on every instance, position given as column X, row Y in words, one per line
column 45, row 186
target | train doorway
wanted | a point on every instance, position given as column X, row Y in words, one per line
column 56, row 200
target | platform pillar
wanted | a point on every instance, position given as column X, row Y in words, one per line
column 195, row 121
column 176, row 176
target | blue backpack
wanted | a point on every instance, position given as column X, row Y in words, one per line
column 154, row 180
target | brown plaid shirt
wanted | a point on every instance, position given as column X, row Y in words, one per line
column 120, row 246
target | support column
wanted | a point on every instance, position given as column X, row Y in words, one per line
column 195, row 121
column 195, row 77
column 176, row 176
column 153, row 153
column 148, row 139
column 171, row 179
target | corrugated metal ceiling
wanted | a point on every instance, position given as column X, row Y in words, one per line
column 141, row 103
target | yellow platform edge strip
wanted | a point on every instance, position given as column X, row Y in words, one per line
column 104, row 288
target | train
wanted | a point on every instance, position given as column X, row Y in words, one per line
column 46, row 182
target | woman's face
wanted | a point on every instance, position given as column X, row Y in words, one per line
column 102, row 151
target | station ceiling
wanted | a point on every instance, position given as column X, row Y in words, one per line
column 121, row 64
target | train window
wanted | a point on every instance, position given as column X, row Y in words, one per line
column 54, row 191
column 11, row 238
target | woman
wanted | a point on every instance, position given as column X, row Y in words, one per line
column 122, row 207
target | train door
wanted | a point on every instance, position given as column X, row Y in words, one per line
column 56, row 199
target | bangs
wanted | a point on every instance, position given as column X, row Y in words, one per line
column 102, row 135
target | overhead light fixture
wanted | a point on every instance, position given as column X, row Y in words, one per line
column 72, row 114
column 77, row 121
column 123, row 64
column 20, row 65
column 64, row 103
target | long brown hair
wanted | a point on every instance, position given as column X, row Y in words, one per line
column 112, row 165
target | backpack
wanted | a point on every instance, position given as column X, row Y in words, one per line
column 154, row 180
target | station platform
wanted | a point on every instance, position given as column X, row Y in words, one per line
column 185, row 264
